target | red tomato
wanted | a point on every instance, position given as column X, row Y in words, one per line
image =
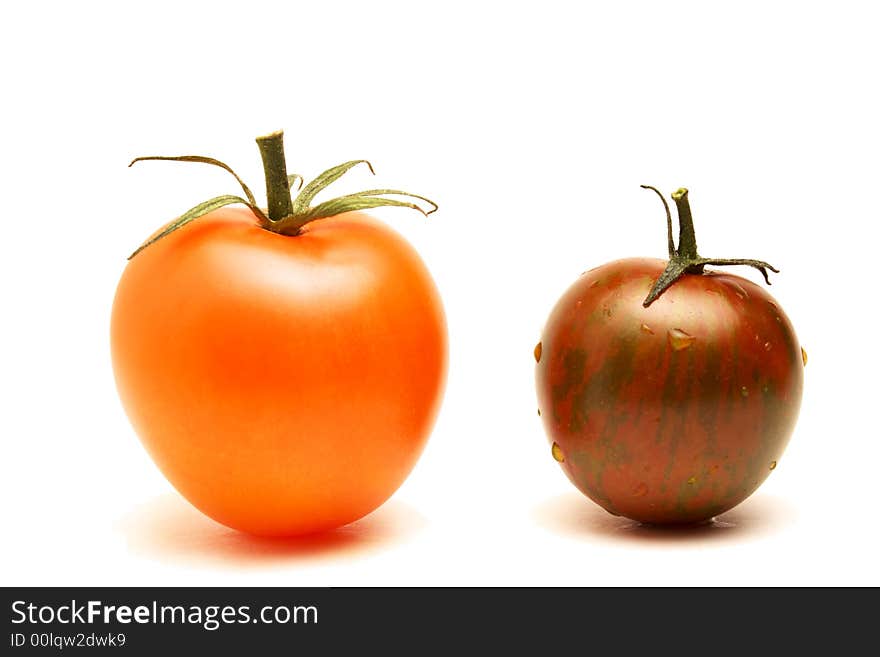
column 283, row 384
column 674, row 412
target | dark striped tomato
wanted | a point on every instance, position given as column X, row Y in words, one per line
column 675, row 412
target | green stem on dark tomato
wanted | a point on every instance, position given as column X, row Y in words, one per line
column 684, row 259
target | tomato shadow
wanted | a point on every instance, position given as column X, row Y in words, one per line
column 168, row 529
column 575, row 515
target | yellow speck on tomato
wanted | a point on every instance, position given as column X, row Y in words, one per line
column 679, row 340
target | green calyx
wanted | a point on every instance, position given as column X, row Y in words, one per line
column 286, row 214
column 684, row 259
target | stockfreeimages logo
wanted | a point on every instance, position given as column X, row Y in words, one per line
column 210, row 617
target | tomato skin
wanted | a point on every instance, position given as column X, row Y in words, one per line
column 673, row 413
column 284, row 385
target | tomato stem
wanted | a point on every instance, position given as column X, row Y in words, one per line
column 684, row 259
column 275, row 167
column 687, row 238
column 287, row 216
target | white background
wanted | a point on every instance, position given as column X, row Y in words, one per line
column 532, row 124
